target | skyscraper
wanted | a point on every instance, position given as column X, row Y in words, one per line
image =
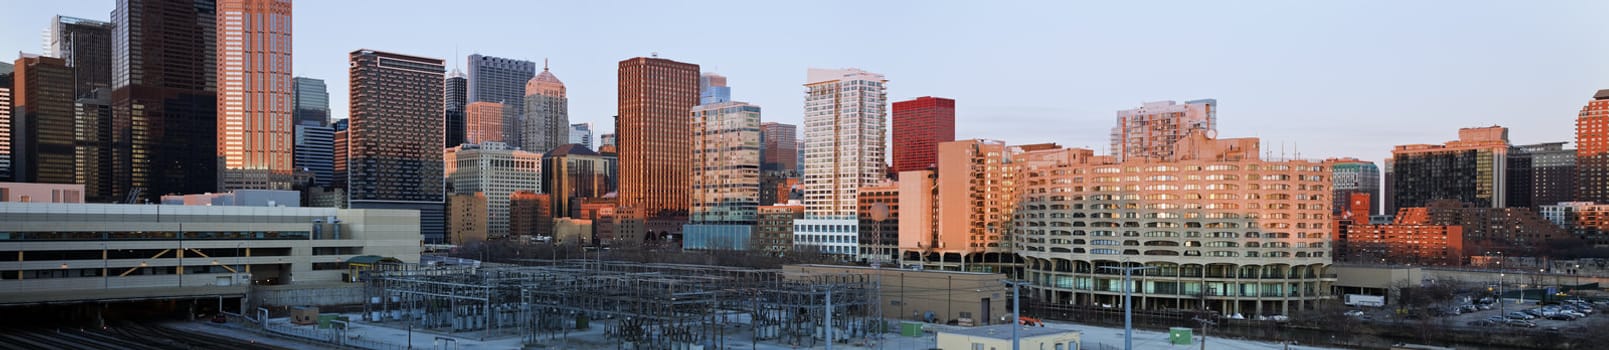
column 5, row 121
column 1353, row 176
column 164, row 101
column 457, row 98
column 781, row 149
column 42, row 121
column 546, row 113
column 339, row 163
column 845, row 116
column 86, row 45
column 497, row 170
column 655, row 96
column 501, row 80
column 1151, row 130
column 725, row 168
column 255, row 129
column 1473, row 169
column 1592, row 149
column 394, row 143
column 581, row 134
column 312, row 102
column 315, row 151
column 1541, row 174
column 920, row 125
column 483, row 122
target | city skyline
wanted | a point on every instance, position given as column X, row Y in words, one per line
column 1324, row 53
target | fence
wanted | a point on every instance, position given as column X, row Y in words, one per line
column 332, row 336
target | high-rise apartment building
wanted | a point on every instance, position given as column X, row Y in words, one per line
column 1352, row 175
column 571, row 174
column 725, row 166
column 1487, row 231
column 1592, row 149
column 164, row 97
column 497, row 170
column 483, row 122
column 1223, row 228
column 781, row 149
column 457, row 99
column 920, row 125
column 394, row 143
column 315, row 152
column 312, row 101
column 86, row 46
column 1543, row 174
column 976, row 188
column 546, row 113
column 844, row 121
column 725, row 160
column 502, row 80
column 1150, row 131
column 42, row 121
column 581, row 134
column 1473, row 169
column 255, row 129
column 655, row 96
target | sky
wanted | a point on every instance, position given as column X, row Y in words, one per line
column 1322, row 79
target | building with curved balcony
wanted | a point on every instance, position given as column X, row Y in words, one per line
column 1221, row 228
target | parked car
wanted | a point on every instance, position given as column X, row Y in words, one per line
column 1354, row 313
column 1573, row 314
column 1484, row 307
column 1483, row 323
column 1516, row 315
column 1520, row 323
column 1496, row 319
column 1562, row 317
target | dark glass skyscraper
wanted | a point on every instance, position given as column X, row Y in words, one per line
column 457, row 99
column 501, row 80
column 164, row 104
column 42, row 121
column 86, row 45
column 312, row 102
column 394, row 143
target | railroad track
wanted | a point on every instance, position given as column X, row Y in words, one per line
column 130, row 336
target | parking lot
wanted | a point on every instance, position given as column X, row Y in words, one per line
column 1468, row 319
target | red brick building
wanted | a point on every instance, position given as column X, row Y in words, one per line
column 919, row 126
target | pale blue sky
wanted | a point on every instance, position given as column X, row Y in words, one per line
column 1336, row 78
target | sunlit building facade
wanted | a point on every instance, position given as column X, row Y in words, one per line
column 1218, row 224
column 845, row 117
column 255, row 94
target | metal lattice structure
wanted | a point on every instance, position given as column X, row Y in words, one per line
column 643, row 306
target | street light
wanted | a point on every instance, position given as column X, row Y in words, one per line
column 1128, row 306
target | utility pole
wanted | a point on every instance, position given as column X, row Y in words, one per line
column 1016, row 313
column 1128, row 306
column 828, row 324
column 1204, row 324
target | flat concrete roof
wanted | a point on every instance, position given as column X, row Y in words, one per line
column 1003, row 331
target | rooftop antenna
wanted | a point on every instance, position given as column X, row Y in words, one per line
column 654, row 54
column 544, row 64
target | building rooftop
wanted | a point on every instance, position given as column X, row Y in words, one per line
column 1003, row 331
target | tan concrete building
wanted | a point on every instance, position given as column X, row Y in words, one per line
column 71, row 252
column 466, row 218
column 1213, row 219
column 999, row 338
column 572, row 231
column 913, row 295
column 41, row 192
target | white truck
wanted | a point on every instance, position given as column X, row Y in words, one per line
column 1365, row 300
